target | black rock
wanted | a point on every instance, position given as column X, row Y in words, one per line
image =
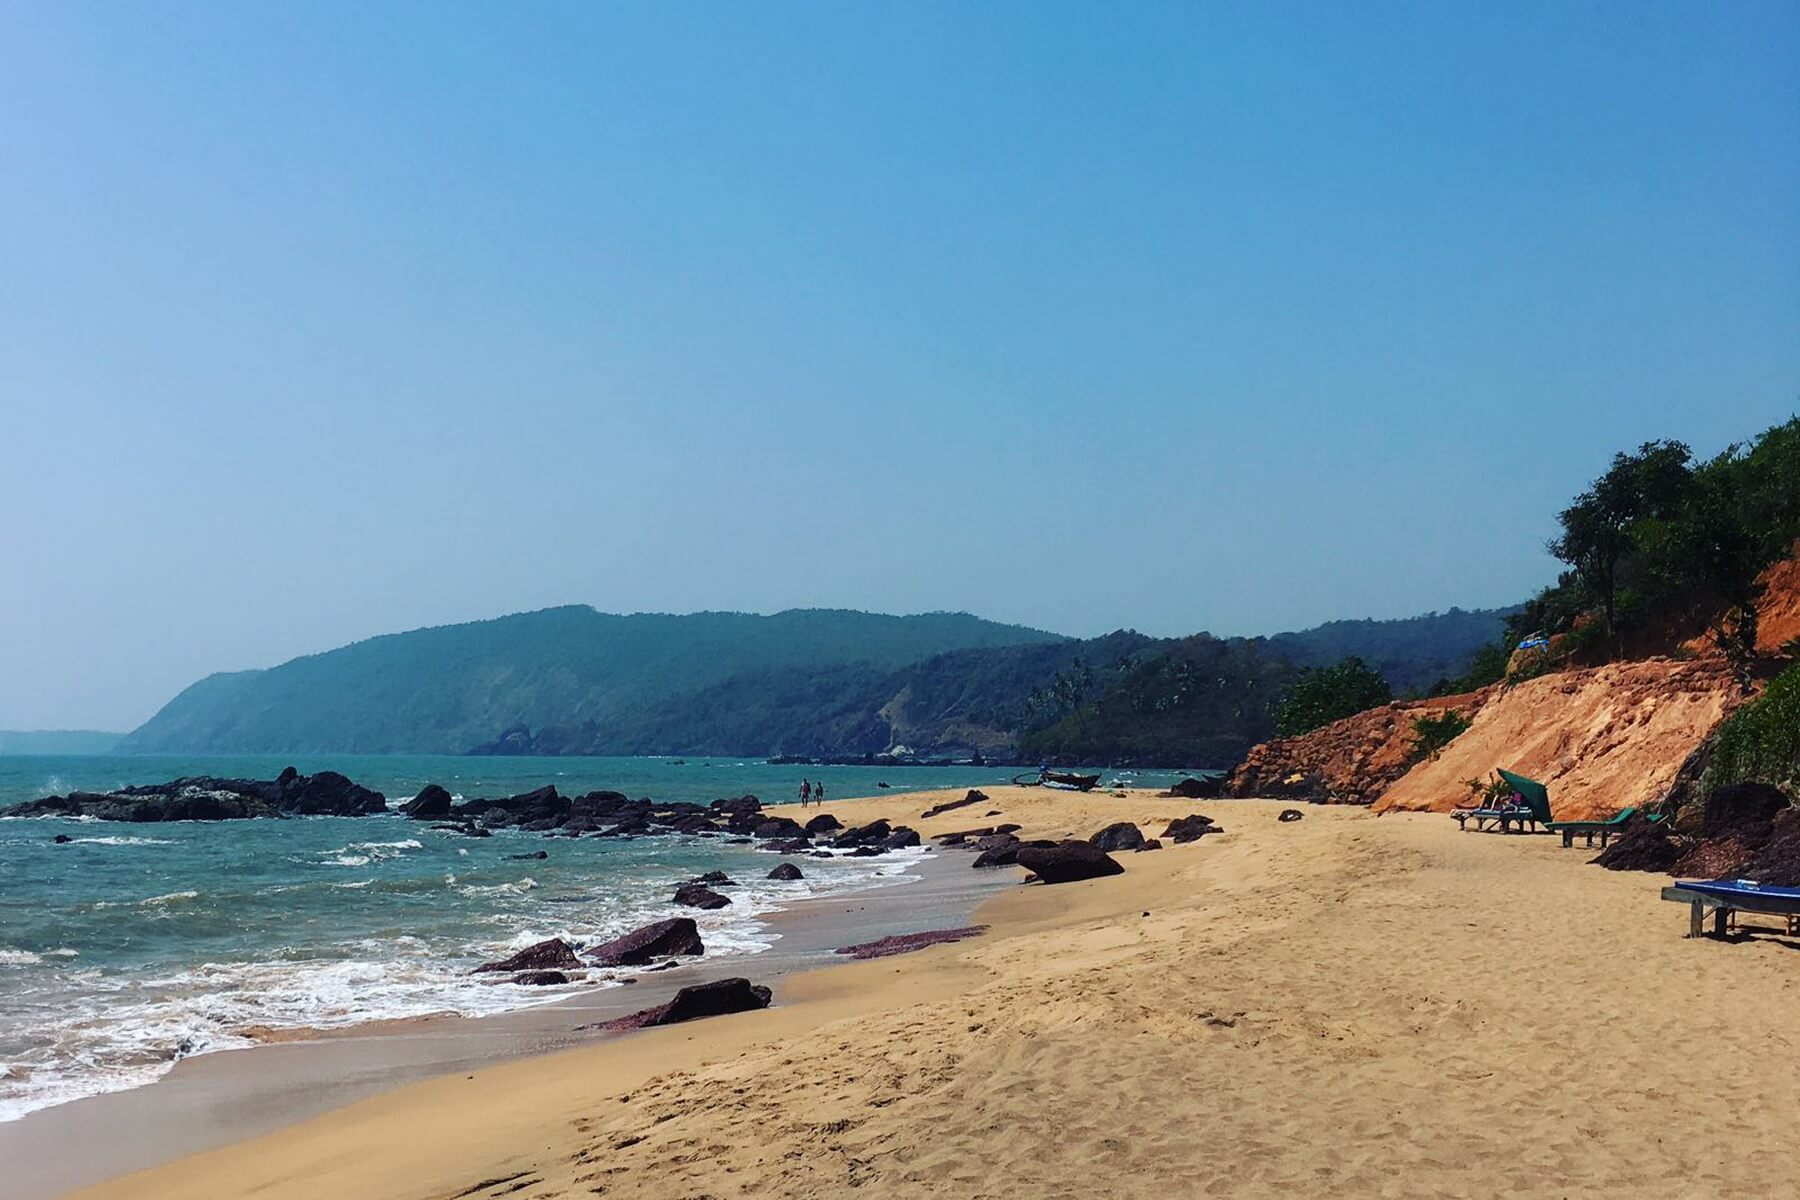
column 714, row 999
column 537, row 854
column 552, row 954
column 206, row 798
column 778, row 827
column 1068, row 862
column 62, row 839
column 787, row 871
column 823, row 823
column 431, row 804
column 1120, row 836
column 677, row 935
column 1150, row 844
column 714, row 879
column 696, row 895
column 864, row 835
column 540, row 978
column 973, row 797
column 1291, row 814
column 1191, row 788
column 1190, row 828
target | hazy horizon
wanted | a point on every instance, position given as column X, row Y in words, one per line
column 327, row 322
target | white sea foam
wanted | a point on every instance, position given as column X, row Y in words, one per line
column 120, row 841
column 106, row 1030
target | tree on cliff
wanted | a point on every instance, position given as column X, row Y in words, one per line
column 1603, row 524
column 1321, row 695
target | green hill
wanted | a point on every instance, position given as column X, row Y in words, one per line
column 456, row 687
column 806, row 682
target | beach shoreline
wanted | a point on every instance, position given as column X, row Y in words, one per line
column 1348, row 1003
column 291, row 1074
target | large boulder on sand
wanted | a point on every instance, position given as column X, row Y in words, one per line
column 1068, row 862
column 677, row 935
column 1190, row 828
column 1120, row 836
column 552, row 954
column 713, row 999
column 1195, row 788
column 431, row 804
column 823, row 823
column 698, row 895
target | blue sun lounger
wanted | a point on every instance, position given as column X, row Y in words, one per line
column 1724, row 897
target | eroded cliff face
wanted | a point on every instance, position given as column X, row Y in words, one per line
column 1601, row 738
column 1778, row 612
column 1352, row 761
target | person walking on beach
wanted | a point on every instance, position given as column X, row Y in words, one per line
column 819, row 793
column 805, row 792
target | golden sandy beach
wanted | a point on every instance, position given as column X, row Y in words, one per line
column 1350, row 1004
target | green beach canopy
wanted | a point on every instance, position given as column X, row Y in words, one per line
column 1535, row 794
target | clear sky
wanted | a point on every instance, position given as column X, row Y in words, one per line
column 319, row 321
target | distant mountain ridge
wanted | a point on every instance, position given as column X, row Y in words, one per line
column 450, row 688
column 808, row 681
column 57, row 741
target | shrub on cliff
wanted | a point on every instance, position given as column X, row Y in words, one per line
column 1321, row 695
column 1436, row 732
column 1760, row 743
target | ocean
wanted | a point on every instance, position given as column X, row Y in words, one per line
column 132, row 946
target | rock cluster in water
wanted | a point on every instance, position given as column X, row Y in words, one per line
column 205, row 798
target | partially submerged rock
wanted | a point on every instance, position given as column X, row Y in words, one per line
column 698, row 895
column 787, row 872
column 552, row 954
column 540, row 978
column 207, row 798
column 660, row 939
column 431, row 804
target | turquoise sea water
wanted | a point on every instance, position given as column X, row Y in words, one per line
column 133, row 945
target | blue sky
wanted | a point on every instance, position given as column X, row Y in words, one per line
column 319, row 321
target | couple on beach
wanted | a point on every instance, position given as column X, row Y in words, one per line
column 811, row 793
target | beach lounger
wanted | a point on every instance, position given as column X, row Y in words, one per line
column 1531, row 808
column 1727, row 897
column 1569, row 829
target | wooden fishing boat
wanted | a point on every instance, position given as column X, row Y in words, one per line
column 1066, row 781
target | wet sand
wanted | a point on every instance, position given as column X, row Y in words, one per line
column 216, row 1099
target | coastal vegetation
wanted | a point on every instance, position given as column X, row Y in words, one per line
column 1662, row 547
column 1434, row 732
column 1321, row 695
column 1760, row 743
